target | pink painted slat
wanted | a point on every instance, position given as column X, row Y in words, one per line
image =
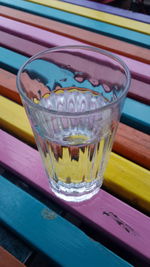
column 20, row 45
column 138, row 90
column 50, row 39
column 125, row 225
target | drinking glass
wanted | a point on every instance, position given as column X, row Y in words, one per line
column 73, row 97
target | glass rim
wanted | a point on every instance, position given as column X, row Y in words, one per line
column 73, row 114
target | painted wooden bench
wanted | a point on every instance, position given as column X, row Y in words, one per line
column 19, row 44
column 63, row 242
column 131, row 114
column 93, row 25
column 10, row 42
column 110, row 217
column 122, row 177
column 49, row 39
column 91, row 38
column 129, row 142
column 118, row 222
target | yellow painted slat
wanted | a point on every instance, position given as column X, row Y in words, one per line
column 122, row 176
column 14, row 119
column 129, row 181
column 97, row 15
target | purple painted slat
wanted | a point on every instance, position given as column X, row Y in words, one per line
column 110, row 9
column 127, row 226
column 50, row 39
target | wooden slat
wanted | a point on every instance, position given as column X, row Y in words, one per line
column 123, row 177
column 82, row 22
column 129, row 142
column 8, row 86
column 97, row 15
column 133, row 145
column 6, row 259
column 12, row 120
column 112, row 10
column 138, row 90
column 63, row 242
column 131, row 114
column 19, row 45
column 90, row 38
column 136, row 115
column 116, row 220
column 49, row 39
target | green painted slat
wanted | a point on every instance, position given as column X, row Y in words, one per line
column 82, row 22
column 50, row 233
column 134, row 113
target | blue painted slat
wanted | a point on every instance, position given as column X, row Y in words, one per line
column 134, row 113
column 50, row 233
column 82, row 22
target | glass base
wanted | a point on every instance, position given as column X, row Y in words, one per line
column 75, row 192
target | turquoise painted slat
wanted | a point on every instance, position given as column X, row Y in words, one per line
column 11, row 60
column 82, row 22
column 134, row 113
column 50, row 233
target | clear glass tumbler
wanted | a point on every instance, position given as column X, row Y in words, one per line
column 73, row 97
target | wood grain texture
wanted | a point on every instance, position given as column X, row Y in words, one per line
column 49, row 39
column 90, row 38
column 97, row 15
column 130, row 143
column 49, row 232
column 122, row 176
column 131, row 114
column 82, row 22
column 103, row 212
column 6, row 259
column 112, row 10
